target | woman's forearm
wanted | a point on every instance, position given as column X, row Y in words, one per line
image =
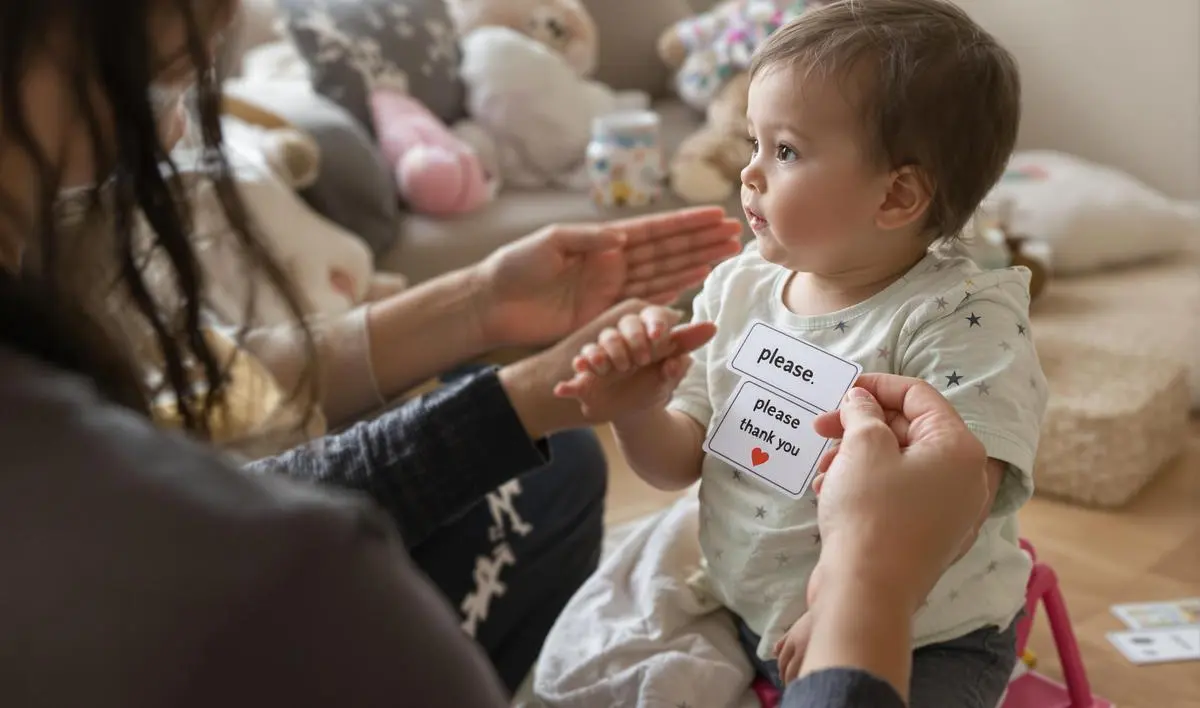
column 424, row 331
column 859, row 624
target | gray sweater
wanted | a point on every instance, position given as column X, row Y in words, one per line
column 143, row 570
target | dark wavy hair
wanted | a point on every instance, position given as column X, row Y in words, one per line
column 112, row 62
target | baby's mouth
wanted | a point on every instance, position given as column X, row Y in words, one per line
column 755, row 220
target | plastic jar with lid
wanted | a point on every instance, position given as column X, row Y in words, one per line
column 625, row 159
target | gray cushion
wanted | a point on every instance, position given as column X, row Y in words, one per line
column 629, row 31
column 348, row 46
column 354, row 187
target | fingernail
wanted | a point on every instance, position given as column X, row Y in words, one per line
column 858, row 394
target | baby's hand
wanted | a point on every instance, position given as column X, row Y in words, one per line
column 790, row 650
column 634, row 366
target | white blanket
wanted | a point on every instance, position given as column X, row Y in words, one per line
column 643, row 631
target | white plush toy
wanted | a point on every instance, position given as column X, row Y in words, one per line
column 531, row 110
column 331, row 269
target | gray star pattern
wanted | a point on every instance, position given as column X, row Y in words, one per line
column 1006, row 346
column 983, row 388
column 782, row 558
column 991, row 568
column 974, row 320
column 841, row 327
column 760, row 513
column 884, row 352
column 816, row 537
column 1020, row 329
column 953, row 379
column 737, row 475
column 941, row 303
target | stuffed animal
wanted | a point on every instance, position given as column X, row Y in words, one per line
column 331, row 269
column 526, row 64
column 436, row 171
column 710, row 53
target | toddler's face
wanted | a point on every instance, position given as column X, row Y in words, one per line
column 810, row 192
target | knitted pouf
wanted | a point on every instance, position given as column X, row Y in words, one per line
column 1113, row 420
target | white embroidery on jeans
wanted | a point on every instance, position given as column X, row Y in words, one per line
column 487, row 586
column 500, row 503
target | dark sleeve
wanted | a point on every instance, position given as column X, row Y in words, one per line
column 352, row 625
column 841, row 688
column 427, row 460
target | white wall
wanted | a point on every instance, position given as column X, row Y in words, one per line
column 1116, row 81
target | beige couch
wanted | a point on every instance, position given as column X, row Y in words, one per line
column 428, row 246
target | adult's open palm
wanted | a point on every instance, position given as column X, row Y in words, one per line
column 548, row 284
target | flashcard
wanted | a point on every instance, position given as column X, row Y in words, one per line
column 1157, row 646
column 1148, row 615
column 792, row 366
column 769, row 436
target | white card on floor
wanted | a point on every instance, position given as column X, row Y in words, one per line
column 1157, row 646
column 793, row 367
column 1148, row 615
column 769, row 436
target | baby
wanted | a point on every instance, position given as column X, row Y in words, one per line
column 877, row 128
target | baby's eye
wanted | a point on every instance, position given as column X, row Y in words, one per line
column 753, row 145
column 783, row 153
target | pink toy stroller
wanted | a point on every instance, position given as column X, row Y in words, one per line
column 1030, row 689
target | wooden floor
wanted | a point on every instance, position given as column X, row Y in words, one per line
column 1149, row 550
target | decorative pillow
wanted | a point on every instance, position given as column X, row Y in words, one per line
column 351, row 46
column 353, row 189
column 1090, row 216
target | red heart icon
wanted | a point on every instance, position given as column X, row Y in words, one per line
column 757, row 456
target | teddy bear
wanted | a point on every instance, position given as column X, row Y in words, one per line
column 526, row 66
column 331, row 269
column 710, row 53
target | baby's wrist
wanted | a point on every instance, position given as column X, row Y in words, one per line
column 637, row 419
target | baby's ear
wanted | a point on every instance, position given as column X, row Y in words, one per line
column 909, row 194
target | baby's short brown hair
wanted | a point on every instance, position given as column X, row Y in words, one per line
column 937, row 91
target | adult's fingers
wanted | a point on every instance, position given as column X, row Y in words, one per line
column 585, row 238
column 914, row 398
column 651, row 226
column 681, row 252
column 665, row 289
column 690, row 337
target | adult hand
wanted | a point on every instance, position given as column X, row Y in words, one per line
column 531, row 382
column 903, row 489
column 546, row 285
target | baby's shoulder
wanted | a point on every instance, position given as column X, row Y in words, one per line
column 951, row 285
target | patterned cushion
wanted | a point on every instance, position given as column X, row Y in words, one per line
column 351, row 46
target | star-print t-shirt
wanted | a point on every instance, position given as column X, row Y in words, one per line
column 964, row 330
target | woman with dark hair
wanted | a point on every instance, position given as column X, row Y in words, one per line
column 506, row 524
column 143, row 569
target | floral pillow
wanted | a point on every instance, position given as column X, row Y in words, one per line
column 354, row 46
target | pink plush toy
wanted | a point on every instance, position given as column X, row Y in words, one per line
column 436, row 172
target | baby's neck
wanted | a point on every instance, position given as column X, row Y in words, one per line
column 810, row 294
